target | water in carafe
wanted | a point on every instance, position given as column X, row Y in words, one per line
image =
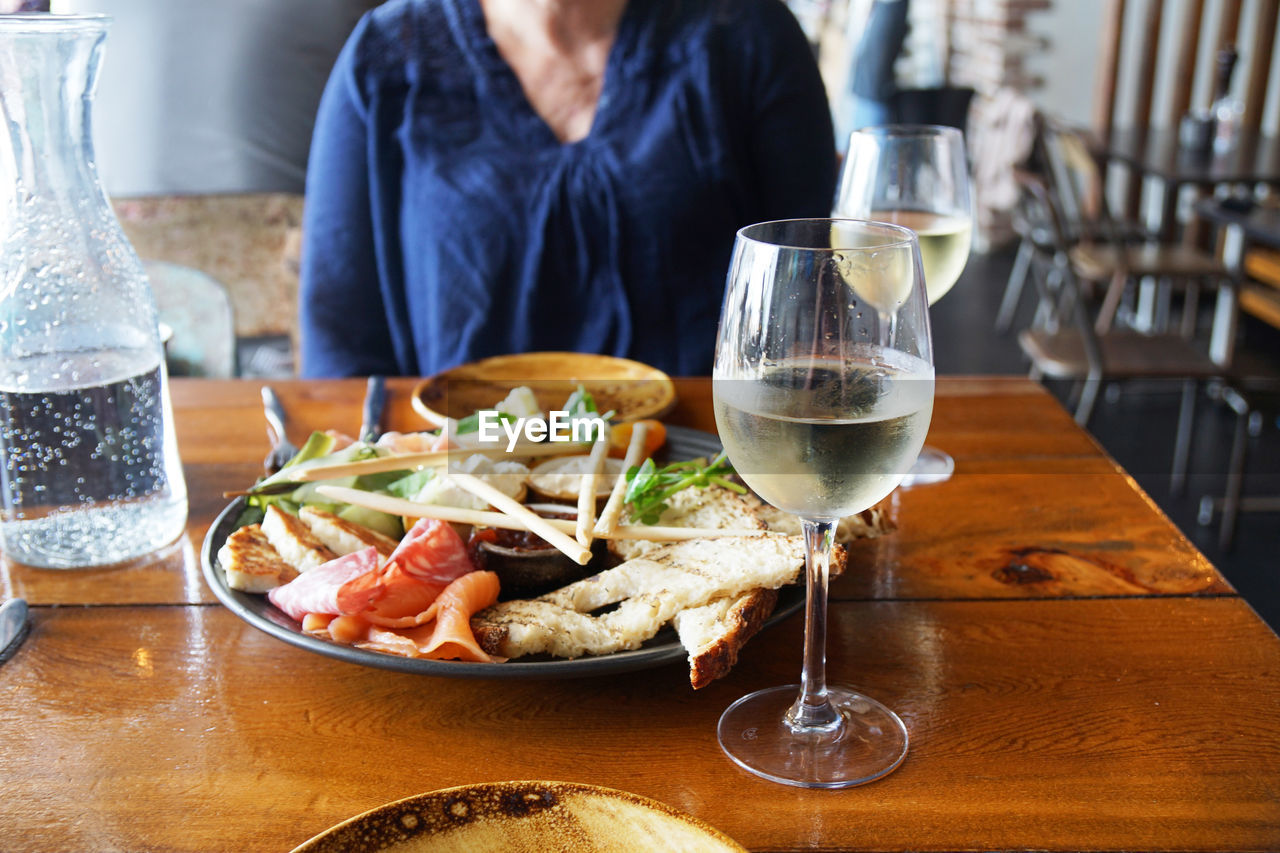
column 90, row 472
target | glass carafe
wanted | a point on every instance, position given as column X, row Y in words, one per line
column 90, row 471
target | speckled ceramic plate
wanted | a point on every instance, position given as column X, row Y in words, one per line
column 663, row 648
column 521, row 816
column 631, row 389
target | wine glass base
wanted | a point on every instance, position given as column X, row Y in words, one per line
column 871, row 743
column 931, row 466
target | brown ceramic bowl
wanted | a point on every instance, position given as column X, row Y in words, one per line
column 527, row 566
column 631, row 389
column 524, row 572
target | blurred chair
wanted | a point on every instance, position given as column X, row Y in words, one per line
column 1082, row 210
column 1065, row 342
column 247, row 242
column 1115, row 255
column 1036, row 246
column 197, row 312
column 1253, row 403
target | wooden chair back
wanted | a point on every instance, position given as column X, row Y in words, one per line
column 1138, row 48
column 1145, row 42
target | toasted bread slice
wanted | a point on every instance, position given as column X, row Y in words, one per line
column 294, row 541
column 346, row 537
column 709, row 507
column 714, row 633
column 648, row 592
column 251, row 564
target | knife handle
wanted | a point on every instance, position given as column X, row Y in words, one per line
column 273, row 410
column 375, row 398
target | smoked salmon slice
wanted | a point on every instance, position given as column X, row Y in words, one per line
column 449, row 637
column 452, row 637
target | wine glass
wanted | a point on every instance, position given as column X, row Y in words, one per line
column 915, row 176
column 823, row 390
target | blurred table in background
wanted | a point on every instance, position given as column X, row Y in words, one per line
column 1245, row 226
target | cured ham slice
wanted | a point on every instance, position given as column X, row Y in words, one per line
column 317, row 591
column 429, row 558
column 433, row 551
column 418, row 604
column 412, row 442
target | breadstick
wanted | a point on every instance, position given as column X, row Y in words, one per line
column 587, row 492
column 613, row 508
column 532, row 521
column 486, row 518
column 429, row 459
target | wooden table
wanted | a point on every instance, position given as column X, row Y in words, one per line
column 1074, row 675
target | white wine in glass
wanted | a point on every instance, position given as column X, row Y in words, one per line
column 944, row 245
column 915, row 176
column 823, row 391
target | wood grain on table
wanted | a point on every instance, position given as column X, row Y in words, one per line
column 1074, row 675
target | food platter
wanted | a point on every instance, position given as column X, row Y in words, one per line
column 520, row 816
column 631, row 389
column 663, row 648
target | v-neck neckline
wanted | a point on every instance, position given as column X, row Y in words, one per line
column 491, row 62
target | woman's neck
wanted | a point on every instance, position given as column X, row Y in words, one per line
column 558, row 50
column 567, row 27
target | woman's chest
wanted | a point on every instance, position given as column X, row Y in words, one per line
column 655, row 148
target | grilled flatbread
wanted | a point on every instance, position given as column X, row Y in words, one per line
column 716, row 593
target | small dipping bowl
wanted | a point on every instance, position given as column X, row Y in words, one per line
column 526, row 570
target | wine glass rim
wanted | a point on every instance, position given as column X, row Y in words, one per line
column 905, row 236
column 46, row 21
column 909, row 130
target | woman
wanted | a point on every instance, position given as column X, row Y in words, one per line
column 518, row 175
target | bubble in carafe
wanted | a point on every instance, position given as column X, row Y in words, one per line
column 87, row 473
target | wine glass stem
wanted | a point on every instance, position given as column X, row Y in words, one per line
column 812, row 712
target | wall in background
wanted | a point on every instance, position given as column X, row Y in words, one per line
column 220, row 97
column 1067, row 66
column 212, row 97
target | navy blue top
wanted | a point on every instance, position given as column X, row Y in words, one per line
column 444, row 221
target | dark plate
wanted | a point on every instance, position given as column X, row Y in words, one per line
column 664, row 647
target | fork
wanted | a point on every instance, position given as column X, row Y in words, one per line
column 282, row 450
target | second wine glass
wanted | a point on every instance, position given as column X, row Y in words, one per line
column 915, row 176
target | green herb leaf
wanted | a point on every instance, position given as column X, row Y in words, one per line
column 649, row 487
